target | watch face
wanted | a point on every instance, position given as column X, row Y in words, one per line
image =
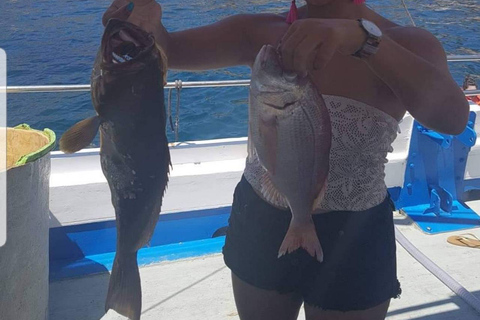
column 371, row 28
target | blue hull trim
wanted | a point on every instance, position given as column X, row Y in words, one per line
column 90, row 248
column 101, row 263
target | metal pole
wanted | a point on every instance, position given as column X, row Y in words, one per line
column 86, row 87
column 55, row 88
column 170, row 85
column 463, row 58
column 470, row 93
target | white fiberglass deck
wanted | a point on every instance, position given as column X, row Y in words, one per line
column 200, row 288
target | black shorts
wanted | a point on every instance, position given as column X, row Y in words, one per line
column 359, row 268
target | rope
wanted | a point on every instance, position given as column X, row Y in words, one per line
column 178, row 86
column 169, row 109
column 174, row 126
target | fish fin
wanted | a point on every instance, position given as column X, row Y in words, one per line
column 270, row 192
column 124, row 289
column 269, row 133
column 169, row 168
column 80, row 135
column 163, row 63
column 320, row 196
column 301, row 235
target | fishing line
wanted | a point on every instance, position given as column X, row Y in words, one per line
column 404, row 5
column 408, row 13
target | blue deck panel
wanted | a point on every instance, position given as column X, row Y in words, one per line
column 90, row 248
column 463, row 218
column 64, row 269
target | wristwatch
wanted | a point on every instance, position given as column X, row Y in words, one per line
column 374, row 36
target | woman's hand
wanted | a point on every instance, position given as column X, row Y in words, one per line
column 146, row 14
column 310, row 44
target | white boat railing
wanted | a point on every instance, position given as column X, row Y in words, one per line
column 169, row 85
column 179, row 84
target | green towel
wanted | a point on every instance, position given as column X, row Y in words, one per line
column 42, row 151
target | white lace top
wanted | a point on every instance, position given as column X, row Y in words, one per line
column 361, row 138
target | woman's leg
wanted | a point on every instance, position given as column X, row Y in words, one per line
column 376, row 313
column 259, row 304
column 359, row 270
column 254, row 235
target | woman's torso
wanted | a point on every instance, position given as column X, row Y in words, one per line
column 361, row 138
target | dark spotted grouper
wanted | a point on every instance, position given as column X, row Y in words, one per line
column 127, row 93
column 290, row 134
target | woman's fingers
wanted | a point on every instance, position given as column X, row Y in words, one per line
column 310, row 44
column 324, row 54
column 290, row 31
column 307, row 46
column 305, row 55
column 288, row 50
column 120, row 9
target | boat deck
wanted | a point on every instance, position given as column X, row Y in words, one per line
column 204, row 176
column 200, row 288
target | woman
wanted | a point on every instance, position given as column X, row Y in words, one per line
column 370, row 73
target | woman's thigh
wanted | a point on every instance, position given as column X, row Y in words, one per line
column 259, row 304
column 376, row 313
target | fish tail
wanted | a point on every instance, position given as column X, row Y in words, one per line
column 302, row 235
column 124, row 290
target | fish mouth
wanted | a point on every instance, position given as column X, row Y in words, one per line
column 282, row 107
column 123, row 43
column 269, row 57
column 263, row 54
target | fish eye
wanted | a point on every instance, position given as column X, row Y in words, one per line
column 290, row 76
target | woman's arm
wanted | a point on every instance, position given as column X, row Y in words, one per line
column 412, row 62
column 218, row 45
column 214, row 46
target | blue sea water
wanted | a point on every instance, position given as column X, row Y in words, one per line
column 55, row 41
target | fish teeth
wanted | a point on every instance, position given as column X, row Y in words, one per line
column 118, row 58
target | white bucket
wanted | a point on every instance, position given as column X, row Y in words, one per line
column 24, row 257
